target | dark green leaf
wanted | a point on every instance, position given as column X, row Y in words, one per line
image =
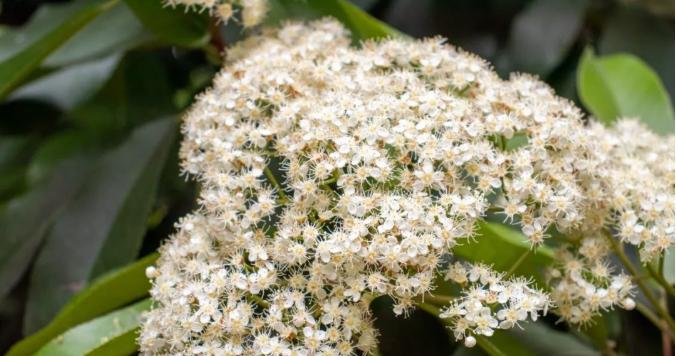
column 128, row 99
column 543, row 33
column 622, row 85
column 91, row 337
column 16, row 68
column 103, row 226
column 45, row 19
column 116, row 32
column 631, row 30
column 72, row 85
column 175, row 26
column 362, row 25
column 107, row 293
column 501, row 246
column 15, row 153
column 54, row 149
column 25, row 220
column 543, row 340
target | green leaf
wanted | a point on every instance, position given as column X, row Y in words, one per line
column 362, row 25
column 91, row 337
column 103, row 226
column 630, row 30
column 71, row 85
column 543, row 33
column 45, row 19
column 622, row 85
column 128, row 99
column 540, row 339
column 531, row 338
column 15, row 154
column 175, row 26
column 26, row 219
column 501, row 246
column 54, row 149
column 96, row 40
column 17, row 68
column 107, row 293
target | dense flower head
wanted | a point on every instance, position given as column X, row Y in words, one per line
column 332, row 173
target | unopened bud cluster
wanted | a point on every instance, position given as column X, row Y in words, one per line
column 332, row 173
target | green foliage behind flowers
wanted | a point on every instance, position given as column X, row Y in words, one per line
column 92, row 94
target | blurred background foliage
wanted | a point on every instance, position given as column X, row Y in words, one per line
column 91, row 93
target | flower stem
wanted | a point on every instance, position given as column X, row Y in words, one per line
column 518, row 263
column 271, row 178
column 660, row 279
column 629, row 266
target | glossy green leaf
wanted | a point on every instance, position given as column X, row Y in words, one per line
column 26, row 219
column 93, row 335
column 15, row 154
column 45, row 19
column 105, row 294
column 15, row 69
column 96, row 40
column 103, row 226
column 540, row 339
column 530, row 339
column 622, row 85
column 630, row 30
column 56, row 148
column 362, row 25
column 93, row 41
column 172, row 25
column 542, row 34
column 501, row 247
column 128, row 99
column 71, row 85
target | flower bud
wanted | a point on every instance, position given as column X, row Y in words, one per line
column 470, row 341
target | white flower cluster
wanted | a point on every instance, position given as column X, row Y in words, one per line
column 489, row 302
column 252, row 11
column 330, row 173
column 583, row 284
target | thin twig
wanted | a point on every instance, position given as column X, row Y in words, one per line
column 629, row 266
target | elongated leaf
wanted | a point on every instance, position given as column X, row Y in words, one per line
column 502, row 247
column 531, row 338
column 175, row 26
column 15, row 154
column 107, row 293
column 361, row 24
column 45, row 19
column 128, row 99
column 543, row 33
column 25, row 220
column 94, row 335
column 543, row 340
column 72, row 85
column 96, row 40
column 622, row 85
column 103, row 226
column 637, row 32
column 16, row 68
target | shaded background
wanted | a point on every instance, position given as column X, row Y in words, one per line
column 85, row 114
